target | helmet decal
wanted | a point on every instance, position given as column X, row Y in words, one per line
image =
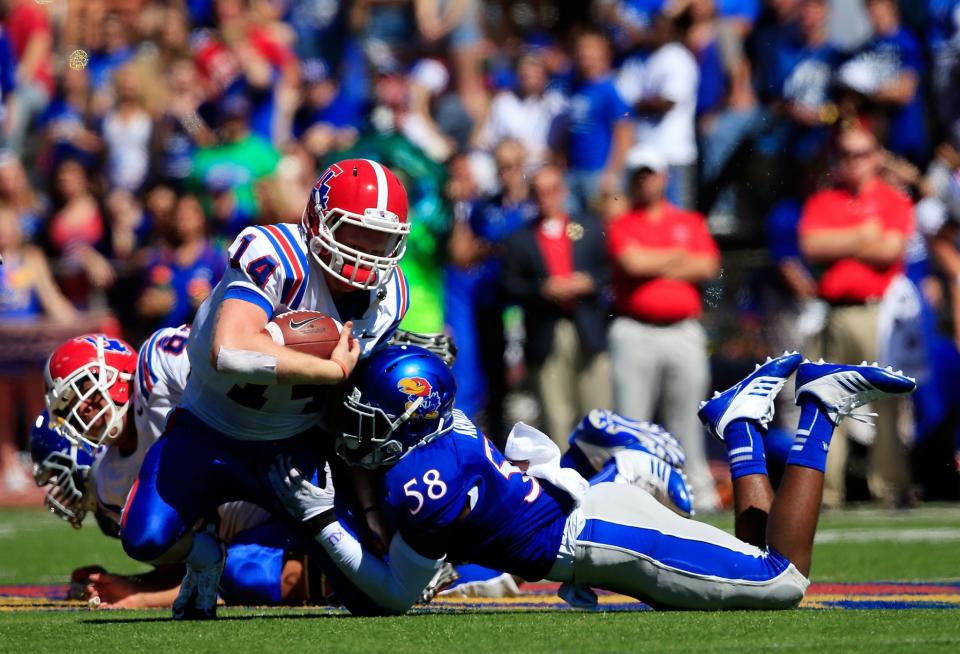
column 322, row 187
column 417, row 386
column 109, row 344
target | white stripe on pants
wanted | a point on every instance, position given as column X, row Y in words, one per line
column 632, row 544
column 662, row 371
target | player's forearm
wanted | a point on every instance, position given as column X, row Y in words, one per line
column 394, row 586
column 256, row 359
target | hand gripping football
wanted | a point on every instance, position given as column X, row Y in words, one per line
column 310, row 332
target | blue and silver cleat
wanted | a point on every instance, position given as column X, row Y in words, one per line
column 750, row 399
column 842, row 388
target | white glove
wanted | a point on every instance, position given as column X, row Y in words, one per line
column 302, row 499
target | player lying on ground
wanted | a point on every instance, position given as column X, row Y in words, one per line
column 604, row 447
column 90, row 454
column 89, row 470
column 453, row 495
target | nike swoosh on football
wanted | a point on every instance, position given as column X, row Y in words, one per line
column 294, row 325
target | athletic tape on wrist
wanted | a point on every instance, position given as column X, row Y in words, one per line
column 256, row 367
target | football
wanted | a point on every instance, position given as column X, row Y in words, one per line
column 310, row 332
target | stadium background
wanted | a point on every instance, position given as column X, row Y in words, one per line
column 139, row 137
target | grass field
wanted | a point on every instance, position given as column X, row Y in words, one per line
column 853, row 546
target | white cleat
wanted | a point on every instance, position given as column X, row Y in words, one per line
column 843, row 388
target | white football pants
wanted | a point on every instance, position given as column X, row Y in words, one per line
column 629, row 543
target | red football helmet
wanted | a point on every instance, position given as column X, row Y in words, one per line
column 356, row 222
column 89, row 380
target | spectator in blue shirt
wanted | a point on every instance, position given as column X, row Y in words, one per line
column 630, row 23
column 940, row 36
column 66, row 131
column 477, row 322
column 746, row 11
column 183, row 272
column 884, row 76
column 8, row 72
column 598, row 127
column 328, row 119
column 799, row 75
column 114, row 52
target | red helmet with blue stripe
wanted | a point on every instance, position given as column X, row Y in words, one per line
column 89, row 380
column 356, row 222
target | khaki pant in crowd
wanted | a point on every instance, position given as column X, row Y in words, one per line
column 662, row 372
column 850, row 337
column 570, row 383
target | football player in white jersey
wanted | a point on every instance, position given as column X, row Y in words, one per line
column 86, row 447
column 90, row 452
column 248, row 398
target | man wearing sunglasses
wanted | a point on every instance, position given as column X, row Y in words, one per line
column 854, row 234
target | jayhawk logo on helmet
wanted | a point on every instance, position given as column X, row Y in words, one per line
column 418, row 387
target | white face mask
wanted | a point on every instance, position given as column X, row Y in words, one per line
column 361, row 270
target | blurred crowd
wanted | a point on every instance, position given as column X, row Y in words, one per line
column 616, row 203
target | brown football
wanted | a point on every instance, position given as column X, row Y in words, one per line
column 310, row 332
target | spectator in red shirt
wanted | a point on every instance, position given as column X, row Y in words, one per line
column 243, row 57
column 555, row 268
column 657, row 345
column 856, row 233
column 31, row 36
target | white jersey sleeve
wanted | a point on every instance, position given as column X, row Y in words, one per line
column 162, row 371
column 268, row 267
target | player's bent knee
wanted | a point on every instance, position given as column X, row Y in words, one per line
column 156, row 546
column 143, row 547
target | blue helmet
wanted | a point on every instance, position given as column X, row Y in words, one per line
column 64, row 466
column 401, row 397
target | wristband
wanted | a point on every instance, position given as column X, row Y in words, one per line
column 317, row 523
column 343, row 367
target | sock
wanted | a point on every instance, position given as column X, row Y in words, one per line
column 744, row 449
column 205, row 552
column 814, row 431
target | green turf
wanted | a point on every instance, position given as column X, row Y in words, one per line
column 302, row 631
column 37, row 548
